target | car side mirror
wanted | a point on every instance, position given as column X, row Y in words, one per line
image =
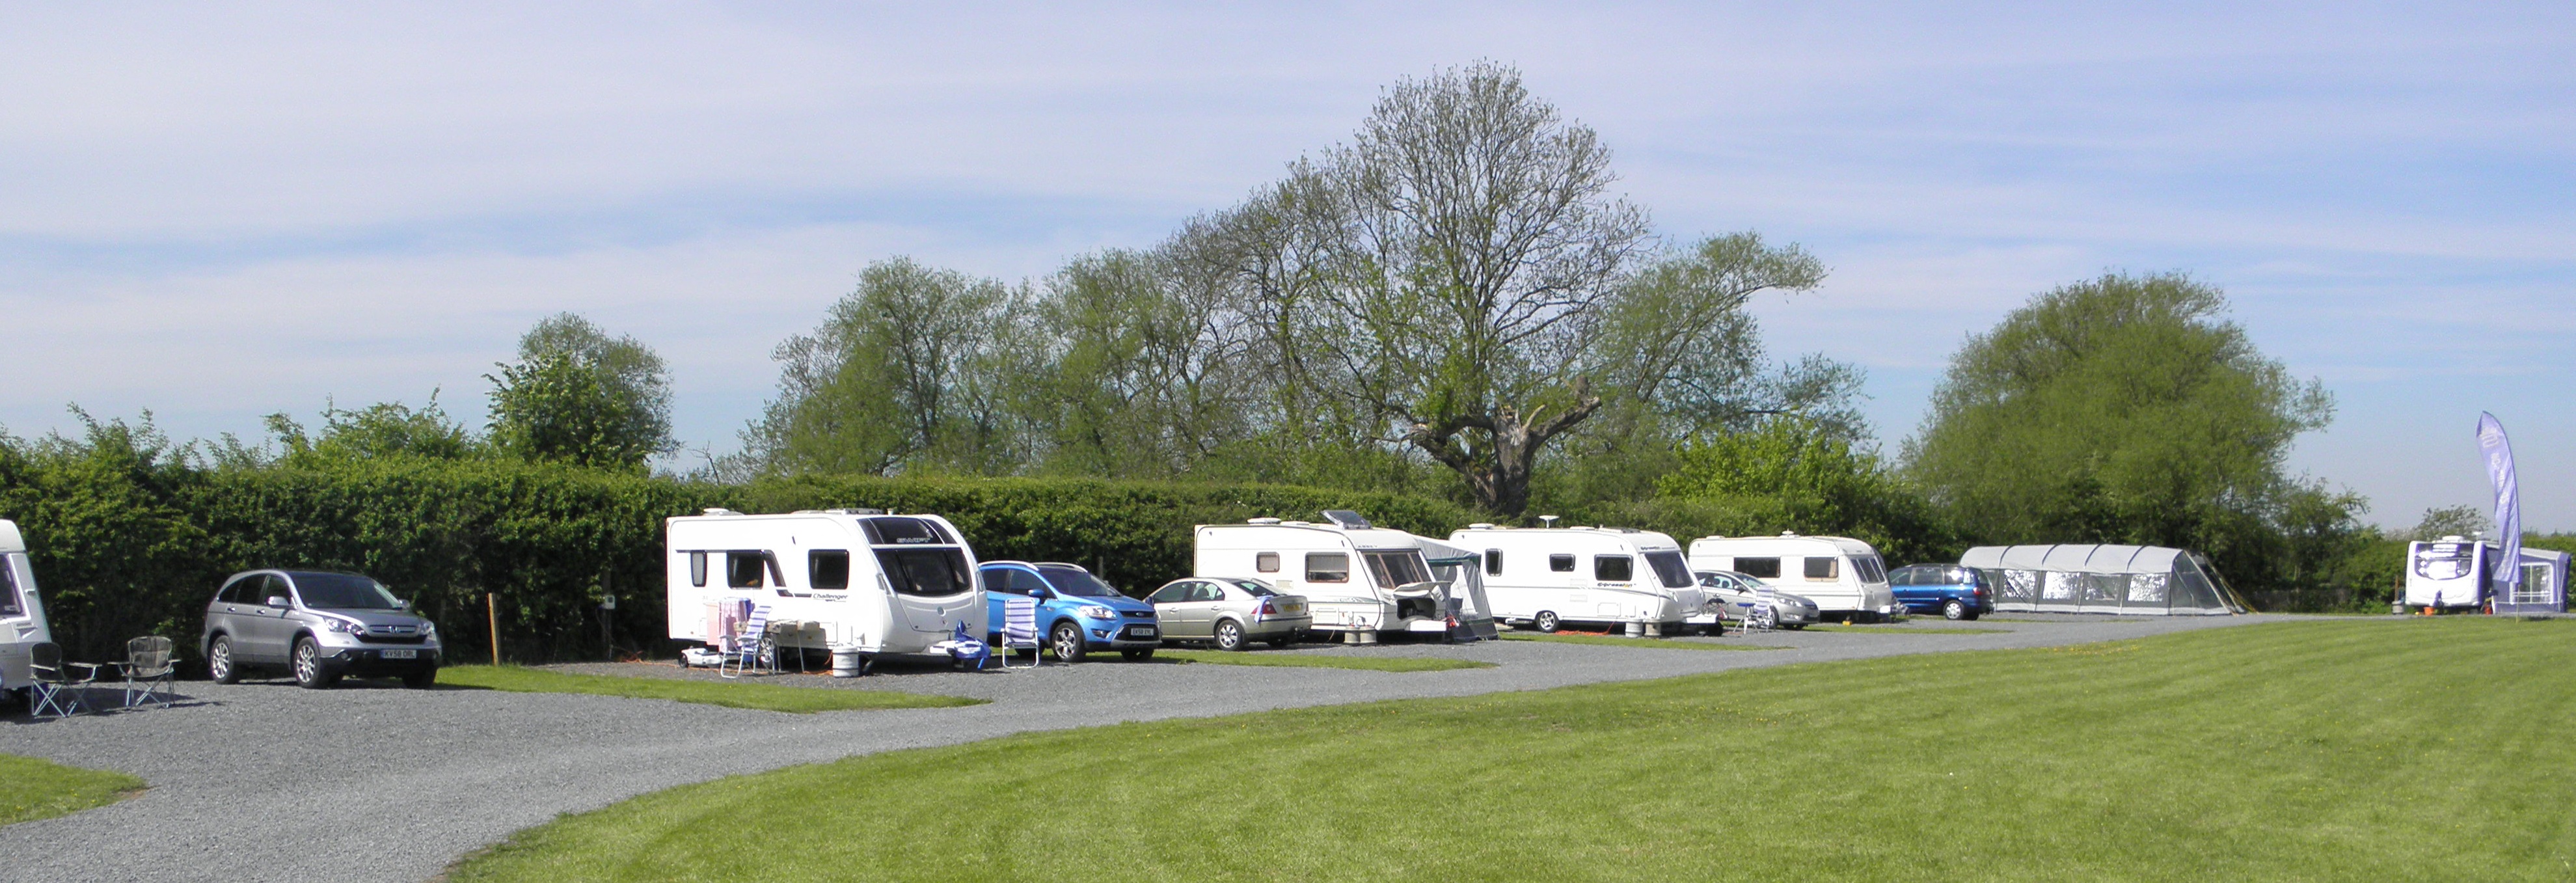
column 278, row 601
column 405, row 604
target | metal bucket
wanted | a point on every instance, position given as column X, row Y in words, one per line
column 1636, row 630
column 847, row 664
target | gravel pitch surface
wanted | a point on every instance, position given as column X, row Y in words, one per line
column 370, row 782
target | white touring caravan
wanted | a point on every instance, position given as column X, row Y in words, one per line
column 22, row 613
column 1359, row 580
column 837, row 579
column 1842, row 575
column 1545, row 577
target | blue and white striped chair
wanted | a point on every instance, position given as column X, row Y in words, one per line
column 1020, row 631
column 749, row 649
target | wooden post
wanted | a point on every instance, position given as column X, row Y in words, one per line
column 492, row 617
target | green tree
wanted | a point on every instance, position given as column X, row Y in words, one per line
column 1814, row 479
column 384, row 429
column 915, row 370
column 1460, row 279
column 2124, row 409
column 577, row 395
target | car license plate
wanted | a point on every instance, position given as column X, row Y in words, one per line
column 1141, row 631
column 402, row 654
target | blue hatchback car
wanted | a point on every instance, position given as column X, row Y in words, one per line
column 1953, row 591
column 1077, row 613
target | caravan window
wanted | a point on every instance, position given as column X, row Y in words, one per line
column 1824, row 568
column 697, row 568
column 1765, row 568
column 9, row 603
column 827, row 568
column 1493, row 562
column 1560, row 563
column 1398, row 568
column 1670, row 569
column 1328, row 567
column 1266, row 562
column 900, row 531
column 2443, row 560
column 932, row 572
column 1613, row 568
column 743, row 569
column 1869, row 569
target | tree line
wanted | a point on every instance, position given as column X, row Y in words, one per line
column 1456, row 305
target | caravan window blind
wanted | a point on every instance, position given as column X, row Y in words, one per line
column 1765, row 568
column 9, row 603
column 827, row 568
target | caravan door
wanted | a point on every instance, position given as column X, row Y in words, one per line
column 22, row 619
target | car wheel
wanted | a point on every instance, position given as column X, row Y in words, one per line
column 1067, row 642
column 422, row 679
column 310, row 673
column 1953, row 609
column 1545, row 621
column 1229, row 635
column 1144, row 655
column 219, row 661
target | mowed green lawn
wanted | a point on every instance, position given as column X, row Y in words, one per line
column 753, row 692
column 2353, row 750
column 34, row 788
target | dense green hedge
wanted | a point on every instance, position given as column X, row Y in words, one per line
column 128, row 539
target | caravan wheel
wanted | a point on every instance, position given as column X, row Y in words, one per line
column 1545, row 621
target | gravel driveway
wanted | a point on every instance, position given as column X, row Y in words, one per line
column 264, row 781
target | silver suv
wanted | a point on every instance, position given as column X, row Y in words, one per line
column 319, row 627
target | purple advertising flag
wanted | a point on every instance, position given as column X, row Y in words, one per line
column 2498, row 452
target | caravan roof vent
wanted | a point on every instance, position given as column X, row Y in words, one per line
column 1547, row 521
column 1263, row 521
column 719, row 511
column 1346, row 519
column 1788, row 533
column 1481, row 525
column 1295, row 523
column 2454, row 538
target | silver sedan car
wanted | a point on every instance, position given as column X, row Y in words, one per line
column 1733, row 594
column 1231, row 613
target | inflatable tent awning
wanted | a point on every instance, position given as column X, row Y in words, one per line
column 2134, row 580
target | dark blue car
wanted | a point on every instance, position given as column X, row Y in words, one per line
column 1076, row 611
column 1953, row 591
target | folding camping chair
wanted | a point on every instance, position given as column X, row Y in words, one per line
column 962, row 647
column 1765, row 612
column 54, row 686
column 149, row 672
column 748, row 649
column 1020, row 631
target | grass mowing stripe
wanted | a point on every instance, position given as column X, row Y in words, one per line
column 1318, row 660
column 2302, row 750
column 34, row 788
column 731, row 694
column 1618, row 641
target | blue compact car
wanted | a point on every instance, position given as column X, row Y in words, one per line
column 1953, row 591
column 1077, row 613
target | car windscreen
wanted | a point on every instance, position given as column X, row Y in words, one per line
column 1670, row 568
column 342, row 591
column 929, row 572
column 1077, row 583
column 1394, row 569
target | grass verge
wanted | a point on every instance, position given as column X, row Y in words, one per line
column 731, row 694
column 1317, row 660
column 2342, row 750
column 1620, row 641
column 34, row 788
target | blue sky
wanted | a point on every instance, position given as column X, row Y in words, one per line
column 217, row 214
